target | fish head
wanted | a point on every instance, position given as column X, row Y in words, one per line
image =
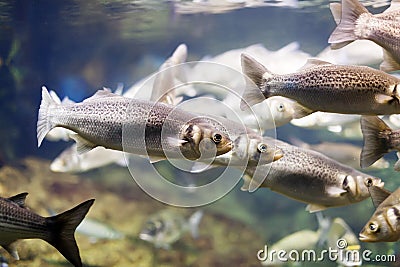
column 357, row 186
column 382, row 227
column 205, row 139
column 68, row 161
column 261, row 150
column 152, row 230
column 281, row 109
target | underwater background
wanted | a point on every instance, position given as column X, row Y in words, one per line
column 78, row 47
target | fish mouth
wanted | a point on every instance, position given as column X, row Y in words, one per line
column 278, row 154
column 363, row 237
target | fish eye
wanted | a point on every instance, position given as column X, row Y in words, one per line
column 369, row 182
column 217, row 138
column 281, row 107
column 262, row 148
column 373, row 227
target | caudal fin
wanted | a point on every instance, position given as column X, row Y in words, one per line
column 43, row 124
column 345, row 30
column 375, row 144
column 62, row 227
column 254, row 71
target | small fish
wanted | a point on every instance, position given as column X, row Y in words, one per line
column 379, row 139
column 18, row 222
column 340, row 230
column 344, row 153
column 134, row 126
column 357, row 23
column 313, row 178
column 167, row 226
column 322, row 86
column 71, row 161
column 383, row 226
column 96, row 230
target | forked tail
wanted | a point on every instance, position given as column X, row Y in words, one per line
column 62, row 227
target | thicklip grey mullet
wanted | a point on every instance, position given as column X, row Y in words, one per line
column 151, row 128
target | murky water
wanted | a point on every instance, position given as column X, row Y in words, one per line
column 78, row 47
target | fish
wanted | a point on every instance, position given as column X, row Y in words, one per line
column 71, row 161
column 165, row 227
column 344, row 153
column 322, row 86
column 96, row 230
column 357, row 23
column 313, row 178
column 383, row 226
column 305, row 239
column 19, row 222
column 340, row 230
column 379, row 139
column 135, row 126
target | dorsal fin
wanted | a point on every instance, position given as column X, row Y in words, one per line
column 314, row 62
column 19, row 199
column 389, row 64
column 105, row 92
column 378, row 195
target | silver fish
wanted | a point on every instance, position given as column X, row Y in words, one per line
column 136, row 126
column 167, row 226
column 18, row 222
column 379, row 139
column 322, row 86
column 71, row 161
column 383, row 225
column 357, row 23
column 313, row 178
column 95, row 230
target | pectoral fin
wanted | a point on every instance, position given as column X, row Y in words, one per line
column 175, row 142
column 383, row 99
column 389, row 63
column 154, row 159
column 82, row 145
column 335, row 191
column 315, row 207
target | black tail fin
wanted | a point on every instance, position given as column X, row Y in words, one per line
column 62, row 227
column 375, row 144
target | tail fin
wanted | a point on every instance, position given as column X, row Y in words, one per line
column 43, row 124
column 194, row 222
column 63, row 227
column 375, row 144
column 254, row 71
column 344, row 32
